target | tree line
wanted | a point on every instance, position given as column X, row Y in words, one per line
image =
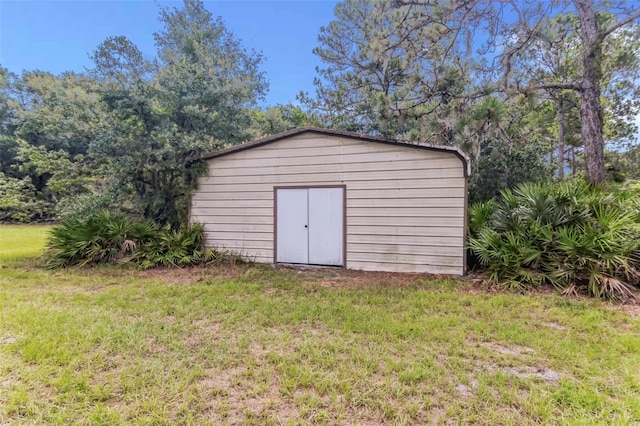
column 531, row 91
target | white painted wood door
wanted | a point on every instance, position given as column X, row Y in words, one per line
column 292, row 226
column 310, row 226
column 326, row 235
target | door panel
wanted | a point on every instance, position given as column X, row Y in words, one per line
column 292, row 232
column 326, row 228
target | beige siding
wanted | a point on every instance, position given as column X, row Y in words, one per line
column 405, row 206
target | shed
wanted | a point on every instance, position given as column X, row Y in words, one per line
column 327, row 197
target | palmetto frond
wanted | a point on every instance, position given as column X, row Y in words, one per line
column 571, row 235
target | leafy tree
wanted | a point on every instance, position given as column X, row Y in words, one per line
column 163, row 114
column 623, row 165
column 593, row 35
column 401, row 71
column 503, row 167
column 601, row 42
column 8, row 144
column 48, row 125
column 552, row 59
column 278, row 119
column 57, row 112
column 130, row 132
column 57, row 119
column 19, row 201
column 66, row 177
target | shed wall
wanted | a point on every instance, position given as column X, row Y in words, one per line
column 405, row 206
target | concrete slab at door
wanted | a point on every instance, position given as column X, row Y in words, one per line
column 292, row 226
column 326, row 228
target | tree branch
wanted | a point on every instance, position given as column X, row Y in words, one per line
column 611, row 28
column 550, row 86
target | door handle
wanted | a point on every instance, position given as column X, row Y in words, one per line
column 306, row 226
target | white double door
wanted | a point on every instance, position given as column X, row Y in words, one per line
column 310, row 226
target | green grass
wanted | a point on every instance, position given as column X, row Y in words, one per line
column 254, row 345
column 18, row 242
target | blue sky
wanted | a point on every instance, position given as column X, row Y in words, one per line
column 58, row 36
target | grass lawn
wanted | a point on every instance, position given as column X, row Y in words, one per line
column 18, row 242
column 257, row 345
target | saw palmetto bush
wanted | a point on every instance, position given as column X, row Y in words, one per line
column 172, row 248
column 96, row 238
column 107, row 238
column 571, row 235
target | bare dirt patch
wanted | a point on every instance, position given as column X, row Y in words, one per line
column 555, row 326
column 9, row 339
column 466, row 391
column 507, row 350
column 528, row 372
column 231, row 399
column 338, row 277
column 633, row 310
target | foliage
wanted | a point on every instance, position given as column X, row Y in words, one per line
column 165, row 113
column 278, row 119
column 501, row 166
column 19, row 201
column 425, row 70
column 605, row 39
column 398, row 71
column 572, row 235
column 8, row 146
column 171, row 248
column 504, row 82
column 66, row 177
column 104, row 197
column 623, row 164
column 390, row 69
column 107, row 238
column 550, row 66
column 60, row 113
column 49, row 125
column 97, row 238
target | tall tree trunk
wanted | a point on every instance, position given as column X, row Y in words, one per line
column 560, row 137
column 590, row 109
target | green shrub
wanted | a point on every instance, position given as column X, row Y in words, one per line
column 172, row 248
column 96, row 238
column 108, row 238
column 571, row 235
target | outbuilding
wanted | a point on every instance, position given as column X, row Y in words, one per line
column 326, row 197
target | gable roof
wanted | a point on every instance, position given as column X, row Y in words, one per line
column 360, row 136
